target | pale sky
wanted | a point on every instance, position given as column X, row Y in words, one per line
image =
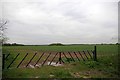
column 63, row 21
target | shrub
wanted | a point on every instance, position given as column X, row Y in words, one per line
column 62, row 74
column 92, row 64
column 56, row 44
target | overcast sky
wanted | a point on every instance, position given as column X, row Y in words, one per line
column 64, row 21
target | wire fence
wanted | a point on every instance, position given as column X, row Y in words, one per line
column 48, row 58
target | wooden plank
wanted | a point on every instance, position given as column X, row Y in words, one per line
column 89, row 54
column 31, row 59
column 13, row 60
column 71, row 56
column 85, row 54
column 39, row 59
column 81, row 56
column 7, row 56
column 22, row 60
column 46, row 59
column 66, row 57
column 53, row 58
column 76, row 56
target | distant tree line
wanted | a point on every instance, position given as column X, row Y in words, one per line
column 53, row 44
column 13, row 44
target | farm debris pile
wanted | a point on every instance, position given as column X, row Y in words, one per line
column 40, row 65
column 54, row 64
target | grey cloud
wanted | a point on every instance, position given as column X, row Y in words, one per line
column 61, row 21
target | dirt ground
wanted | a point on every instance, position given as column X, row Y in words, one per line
column 53, row 58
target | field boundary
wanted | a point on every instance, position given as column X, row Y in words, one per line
column 60, row 58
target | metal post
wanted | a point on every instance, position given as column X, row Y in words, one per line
column 60, row 57
column 95, row 54
column 3, row 61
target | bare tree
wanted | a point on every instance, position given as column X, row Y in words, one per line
column 3, row 38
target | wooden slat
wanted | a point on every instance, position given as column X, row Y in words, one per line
column 53, row 58
column 85, row 54
column 46, row 59
column 7, row 56
column 76, row 56
column 22, row 60
column 13, row 60
column 81, row 55
column 31, row 59
column 66, row 57
column 89, row 54
column 71, row 56
column 39, row 59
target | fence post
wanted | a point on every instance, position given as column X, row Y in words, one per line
column 60, row 57
column 95, row 54
column 3, row 61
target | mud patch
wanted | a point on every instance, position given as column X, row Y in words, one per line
column 31, row 66
column 47, row 63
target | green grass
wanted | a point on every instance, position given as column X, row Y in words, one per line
column 105, row 67
column 49, row 48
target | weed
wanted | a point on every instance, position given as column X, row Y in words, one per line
column 62, row 74
column 92, row 64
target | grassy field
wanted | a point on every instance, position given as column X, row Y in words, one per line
column 105, row 67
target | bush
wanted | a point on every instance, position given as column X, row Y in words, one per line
column 56, row 44
column 92, row 64
column 62, row 74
